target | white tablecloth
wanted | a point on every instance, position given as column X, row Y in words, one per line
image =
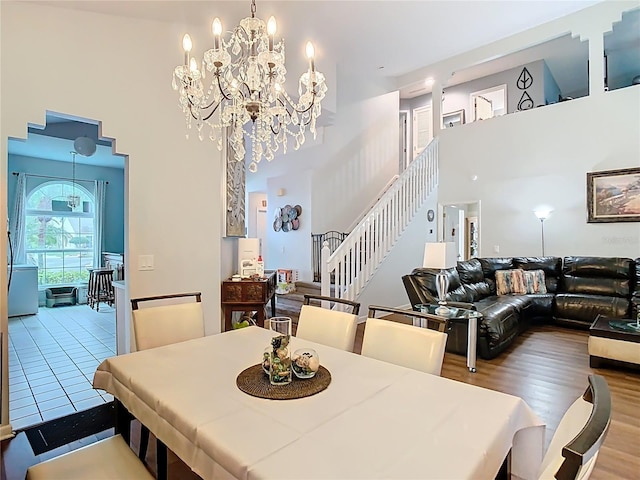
column 375, row 420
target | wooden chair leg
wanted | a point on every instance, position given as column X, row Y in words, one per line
column 144, row 443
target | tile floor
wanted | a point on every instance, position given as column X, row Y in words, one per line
column 52, row 358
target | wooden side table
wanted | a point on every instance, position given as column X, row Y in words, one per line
column 249, row 295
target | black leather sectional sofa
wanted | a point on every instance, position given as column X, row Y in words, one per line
column 578, row 290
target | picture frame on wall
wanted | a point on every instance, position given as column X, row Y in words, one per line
column 613, row 196
column 453, row 119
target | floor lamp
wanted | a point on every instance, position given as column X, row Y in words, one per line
column 440, row 255
column 542, row 216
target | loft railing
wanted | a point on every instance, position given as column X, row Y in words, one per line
column 358, row 257
column 333, row 239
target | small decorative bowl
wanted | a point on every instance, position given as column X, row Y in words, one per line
column 305, row 362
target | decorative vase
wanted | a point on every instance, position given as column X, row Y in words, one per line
column 280, row 361
column 305, row 362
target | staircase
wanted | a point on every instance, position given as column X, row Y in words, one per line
column 356, row 260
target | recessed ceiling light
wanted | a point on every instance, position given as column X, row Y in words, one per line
column 428, row 81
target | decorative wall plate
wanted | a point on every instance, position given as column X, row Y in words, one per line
column 298, row 209
column 286, row 226
column 277, row 224
column 293, row 214
column 295, row 224
column 277, row 213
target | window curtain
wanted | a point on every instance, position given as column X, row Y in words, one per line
column 98, row 221
column 17, row 223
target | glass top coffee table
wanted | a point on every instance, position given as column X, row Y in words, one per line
column 457, row 313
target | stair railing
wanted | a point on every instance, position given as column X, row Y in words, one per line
column 358, row 257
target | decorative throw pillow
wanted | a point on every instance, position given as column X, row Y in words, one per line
column 510, row 281
column 534, row 281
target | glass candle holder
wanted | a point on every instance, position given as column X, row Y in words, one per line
column 305, row 362
column 280, row 325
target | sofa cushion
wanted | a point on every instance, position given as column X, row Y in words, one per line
column 587, row 307
column 472, row 279
column 500, row 320
column 510, row 281
column 604, row 267
column 551, row 266
column 608, row 287
column 426, row 278
column 490, row 265
column 541, row 305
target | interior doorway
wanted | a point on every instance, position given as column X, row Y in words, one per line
column 489, row 103
column 422, row 129
column 66, row 205
column 460, row 224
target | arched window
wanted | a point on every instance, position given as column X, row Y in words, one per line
column 59, row 237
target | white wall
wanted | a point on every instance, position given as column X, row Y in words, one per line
column 292, row 249
column 355, row 159
column 363, row 157
column 540, row 158
column 118, row 70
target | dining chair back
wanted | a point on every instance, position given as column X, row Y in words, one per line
column 402, row 344
column 159, row 325
column 574, row 447
column 329, row 326
column 106, row 459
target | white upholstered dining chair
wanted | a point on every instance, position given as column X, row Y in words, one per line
column 574, row 447
column 331, row 327
column 163, row 324
column 106, row 459
column 406, row 345
column 158, row 325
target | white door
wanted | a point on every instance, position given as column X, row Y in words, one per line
column 489, row 103
column 482, row 107
column 422, row 129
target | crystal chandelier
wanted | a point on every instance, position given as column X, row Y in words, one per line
column 247, row 84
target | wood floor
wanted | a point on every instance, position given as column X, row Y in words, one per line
column 547, row 366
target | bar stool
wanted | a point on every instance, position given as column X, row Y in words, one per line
column 100, row 287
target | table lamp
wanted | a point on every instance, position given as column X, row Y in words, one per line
column 440, row 255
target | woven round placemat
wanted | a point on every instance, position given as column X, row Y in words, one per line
column 255, row 382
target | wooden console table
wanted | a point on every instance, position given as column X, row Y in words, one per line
column 249, row 295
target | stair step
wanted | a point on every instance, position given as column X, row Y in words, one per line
column 312, row 288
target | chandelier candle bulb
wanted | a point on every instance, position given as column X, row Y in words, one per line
column 310, row 54
column 216, row 26
column 271, row 30
column 186, row 45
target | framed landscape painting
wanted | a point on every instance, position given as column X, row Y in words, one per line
column 613, row 196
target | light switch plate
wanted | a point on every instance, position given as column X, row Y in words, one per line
column 145, row 262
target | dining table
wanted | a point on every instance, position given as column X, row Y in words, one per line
column 373, row 420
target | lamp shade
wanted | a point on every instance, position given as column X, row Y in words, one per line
column 440, row 255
